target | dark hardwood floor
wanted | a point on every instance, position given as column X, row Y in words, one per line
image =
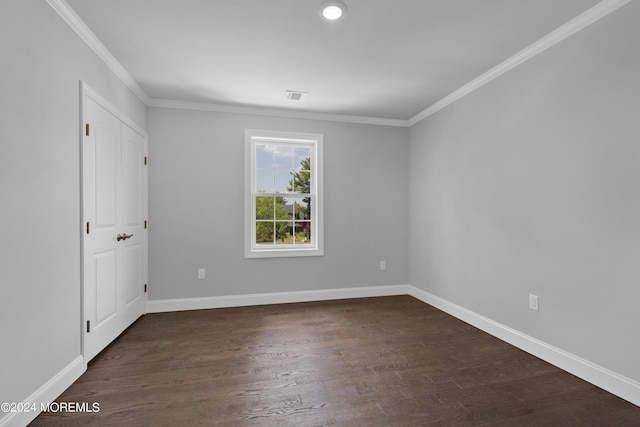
column 391, row 361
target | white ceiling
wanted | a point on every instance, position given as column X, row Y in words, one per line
column 386, row 59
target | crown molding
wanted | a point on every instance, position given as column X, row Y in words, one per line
column 273, row 112
column 583, row 20
column 75, row 22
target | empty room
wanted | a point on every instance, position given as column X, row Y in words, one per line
column 320, row 213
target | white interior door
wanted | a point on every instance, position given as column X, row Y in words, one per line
column 114, row 188
column 133, row 204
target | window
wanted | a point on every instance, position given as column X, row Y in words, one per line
column 283, row 188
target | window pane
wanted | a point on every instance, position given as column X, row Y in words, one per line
column 283, row 182
column 281, row 208
column 284, row 157
column 264, row 207
column 289, row 206
column 302, row 232
column 302, row 208
column 301, row 181
column 264, row 181
column 301, row 158
column 264, row 156
column 283, row 232
column 264, row 233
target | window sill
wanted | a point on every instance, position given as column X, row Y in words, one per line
column 283, row 253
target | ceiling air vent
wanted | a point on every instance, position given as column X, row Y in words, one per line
column 294, row 95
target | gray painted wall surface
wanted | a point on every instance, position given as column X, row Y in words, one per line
column 196, row 202
column 43, row 61
column 528, row 185
column 531, row 184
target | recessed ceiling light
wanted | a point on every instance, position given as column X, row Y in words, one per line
column 332, row 9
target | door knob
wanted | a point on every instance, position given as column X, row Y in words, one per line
column 123, row 236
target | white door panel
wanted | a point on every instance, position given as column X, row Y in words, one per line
column 114, row 204
column 107, row 147
column 132, row 274
column 132, row 172
column 105, row 295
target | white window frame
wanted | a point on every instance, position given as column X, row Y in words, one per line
column 254, row 137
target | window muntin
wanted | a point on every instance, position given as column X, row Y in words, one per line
column 284, row 194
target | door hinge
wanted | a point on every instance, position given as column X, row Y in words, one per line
column 87, row 228
column 145, row 288
column 145, row 224
column 88, row 325
column 86, row 129
column 145, row 160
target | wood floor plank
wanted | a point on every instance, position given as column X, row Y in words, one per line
column 389, row 361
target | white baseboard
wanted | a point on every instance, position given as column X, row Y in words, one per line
column 610, row 381
column 613, row 382
column 158, row 306
column 45, row 394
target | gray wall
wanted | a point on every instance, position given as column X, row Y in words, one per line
column 43, row 61
column 528, row 185
column 531, row 184
column 196, row 202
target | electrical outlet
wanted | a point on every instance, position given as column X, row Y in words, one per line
column 383, row 265
column 533, row 302
column 201, row 273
